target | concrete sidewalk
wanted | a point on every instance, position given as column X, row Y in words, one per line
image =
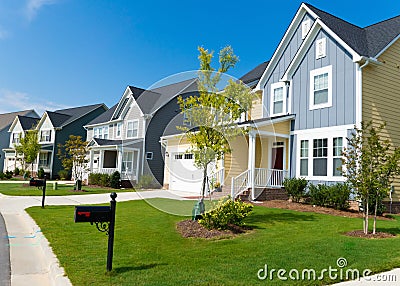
column 32, row 260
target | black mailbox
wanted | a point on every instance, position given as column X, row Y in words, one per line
column 36, row 183
column 92, row 214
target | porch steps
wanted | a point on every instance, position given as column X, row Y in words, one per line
column 265, row 194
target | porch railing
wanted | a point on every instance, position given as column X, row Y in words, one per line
column 263, row 178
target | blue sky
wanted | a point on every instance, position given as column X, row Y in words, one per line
column 65, row 53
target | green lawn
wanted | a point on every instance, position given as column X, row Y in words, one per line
column 20, row 189
column 149, row 251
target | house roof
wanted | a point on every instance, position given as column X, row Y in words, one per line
column 104, row 117
column 252, row 77
column 107, row 142
column 367, row 41
column 62, row 117
column 6, row 119
column 28, row 122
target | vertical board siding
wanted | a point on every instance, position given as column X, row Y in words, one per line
column 342, row 111
column 381, row 97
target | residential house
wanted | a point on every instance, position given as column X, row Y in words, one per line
column 55, row 127
column 22, row 119
column 126, row 138
column 326, row 76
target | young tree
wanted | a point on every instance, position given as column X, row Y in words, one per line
column 74, row 158
column 28, row 147
column 213, row 114
column 371, row 165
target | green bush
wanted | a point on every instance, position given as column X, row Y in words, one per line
column 94, row 179
column 335, row 196
column 27, row 174
column 296, row 188
column 146, row 182
column 105, row 180
column 226, row 213
column 2, row 176
column 40, row 173
column 115, row 180
column 8, row 174
column 16, row 171
column 63, row 174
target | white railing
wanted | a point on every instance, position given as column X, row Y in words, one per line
column 263, row 178
column 240, row 183
column 217, row 176
column 108, row 171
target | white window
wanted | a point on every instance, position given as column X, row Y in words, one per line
column 304, row 158
column 321, row 88
column 149, row 155
column 305, row 27
column 100, row 132
column 118, row 130
column 43, row 159
column 132, row 129
column 278, row 99
column 188, row 156
column 320, row 157
column 337, row 156
column 127, row 162
column 320, row 48
column 45, row 136
column 15, row 138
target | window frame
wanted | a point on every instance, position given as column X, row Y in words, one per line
column 149, row 157
column 16, row 138
column 335, row 156
column 41, row 136
column 305, row 28
column 118, row 129
column 313, row 74
column 304, row 157
column 320, row 152
column 320, row 48
column 275, row 86
column 137, row 128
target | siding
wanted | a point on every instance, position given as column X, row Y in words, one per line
column 381, row 97
column 133, row 114
column 342, row 111
column 283, row 63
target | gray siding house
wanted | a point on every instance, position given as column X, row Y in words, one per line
column 126, row 138
column 6, row 137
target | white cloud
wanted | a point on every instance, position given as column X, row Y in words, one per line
column 11, row 101
column 33, row 6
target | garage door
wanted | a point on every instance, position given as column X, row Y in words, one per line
column 184, row 176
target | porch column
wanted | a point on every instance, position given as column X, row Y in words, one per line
column 91, row 158
column 252, row 160
column 101, row 158
column 119, row 161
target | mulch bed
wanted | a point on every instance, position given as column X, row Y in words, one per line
column 191, row 228
column 361, row 234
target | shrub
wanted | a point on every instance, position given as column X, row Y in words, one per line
column 115, row 180
column 63, row 174
column 2, row 176
column 16, row 171
column 8, row 174
column 40, row 173
column 335, row 196
column 296, row 188
column 105, row 180
column 146, row 182
column 94, row 179
column 226, row 213
column 27, row 174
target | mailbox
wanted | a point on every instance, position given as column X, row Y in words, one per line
column 92, row 214
column 36, row 183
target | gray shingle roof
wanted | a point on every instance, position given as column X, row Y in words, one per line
column 6, row 119
column 27, row 122
column 252, row 77
column 104, row 117
column 63, row 117
column 107, row 142
column 368, row 41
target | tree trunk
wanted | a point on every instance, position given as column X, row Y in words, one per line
column 203, row 188
column 375, row 214
column 366, row 215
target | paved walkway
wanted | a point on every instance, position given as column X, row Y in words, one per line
column 32, row 260
column 5, row 270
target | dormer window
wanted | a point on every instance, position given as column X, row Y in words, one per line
column 45, row 136
column 278, row 99
column 320, row 48
column 305, row 28
column 15, row 138
column 100, row 132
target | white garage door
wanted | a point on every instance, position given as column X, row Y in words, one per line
column 184, row 176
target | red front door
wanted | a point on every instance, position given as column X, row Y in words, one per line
column 277, row 158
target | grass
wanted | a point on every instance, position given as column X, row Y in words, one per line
column 20, row 189
column 149, row 251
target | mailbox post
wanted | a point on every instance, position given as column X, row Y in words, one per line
column 104, row 219
column 40, row 184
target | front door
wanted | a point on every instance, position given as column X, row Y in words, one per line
column 277, row 158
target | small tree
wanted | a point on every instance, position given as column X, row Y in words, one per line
column 213, row 114
column 74, row 158
column 28, row 147
column 371, row 165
